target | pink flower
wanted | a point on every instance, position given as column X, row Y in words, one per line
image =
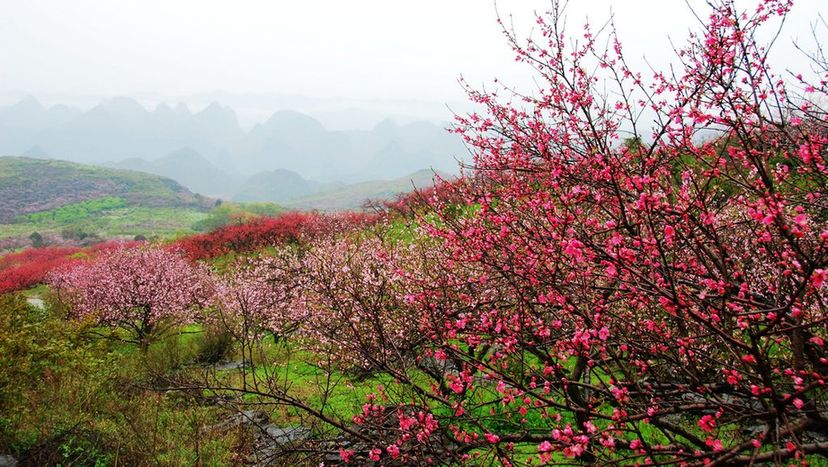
column 707, row 423
column 393, row 450
column 545, row 446
column 714, row 443
column 374, row 455
column 818, row 278
column 346, row 455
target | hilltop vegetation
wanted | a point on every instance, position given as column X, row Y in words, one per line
column 31, row 185
column 67, row 203
column 74, row 211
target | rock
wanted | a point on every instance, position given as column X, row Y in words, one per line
column 247, row 417
column 753, row 430
column 36, row 303
column 273, row 441
column 815, row 436
column 7, row 461
column 223, row 366
column 438, row 366
column 284, row 435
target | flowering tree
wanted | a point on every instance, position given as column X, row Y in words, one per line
column 661, row 300
column 600, row 291
column 259, row 295
column 142, row 289
column 353, row 302
column 264, row 232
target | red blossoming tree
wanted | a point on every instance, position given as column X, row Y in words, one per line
column 601, row 291
column 651, row 296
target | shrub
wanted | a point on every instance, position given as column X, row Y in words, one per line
column 266, row 231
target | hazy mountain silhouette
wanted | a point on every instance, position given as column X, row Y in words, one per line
column 278, row 186
column 21, row 123
column 189, row 168
column 219, row 153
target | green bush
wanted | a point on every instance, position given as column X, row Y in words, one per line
column 215, row 346
column 70, row 397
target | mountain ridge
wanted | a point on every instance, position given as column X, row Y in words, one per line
column 120, row 128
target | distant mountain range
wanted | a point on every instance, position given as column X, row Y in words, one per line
column 288, row 156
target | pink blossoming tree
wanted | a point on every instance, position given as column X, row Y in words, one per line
column 352, row 298
column 144, row 290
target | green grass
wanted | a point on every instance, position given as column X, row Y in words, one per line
column 76, row 211
column 123, row 221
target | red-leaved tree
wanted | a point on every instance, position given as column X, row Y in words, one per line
column 267, row 232
column 24, row 269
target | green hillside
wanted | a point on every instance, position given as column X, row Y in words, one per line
column 31, row 185
column 354, row 196
column 74, row 200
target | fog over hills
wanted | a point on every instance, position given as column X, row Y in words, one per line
column 209, row 152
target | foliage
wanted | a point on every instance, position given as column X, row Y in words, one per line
column 37, row 239
column 226, row 213
column 266, row 231
column 76, row 211
column 121, row 222
column 66, row 399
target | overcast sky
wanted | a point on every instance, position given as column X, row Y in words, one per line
column 364, row 49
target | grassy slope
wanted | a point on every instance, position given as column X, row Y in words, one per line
column 128, row 221
column 153, row 205
column 354, row 196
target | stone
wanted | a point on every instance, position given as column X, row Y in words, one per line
column 246, row 417
column 224, row 366
column 285, row 435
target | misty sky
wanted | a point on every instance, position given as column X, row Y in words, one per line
column 364, row 49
